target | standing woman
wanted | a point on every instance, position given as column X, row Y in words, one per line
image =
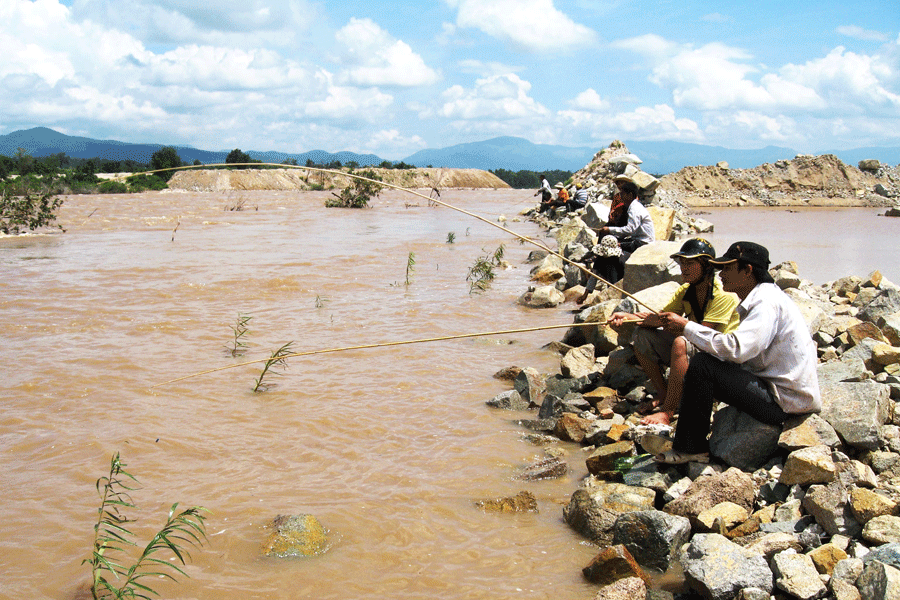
column 700, row 299
column 630, row 227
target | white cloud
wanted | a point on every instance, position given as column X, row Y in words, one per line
column 498, row 97
column 486, row 69
column 752, row 125
column 347, row 103
column 375, row 58
column 589, row 100
column 657, row 122
column 535, row 25
column 862, row 34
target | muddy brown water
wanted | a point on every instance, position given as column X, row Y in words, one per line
column 389, row 448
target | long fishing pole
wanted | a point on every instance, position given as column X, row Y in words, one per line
column 430, row 199
column 387, row 344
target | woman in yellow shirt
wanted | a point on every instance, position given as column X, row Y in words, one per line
column 700, row 299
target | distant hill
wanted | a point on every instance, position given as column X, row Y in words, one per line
column 512, row 153
column 41, row 141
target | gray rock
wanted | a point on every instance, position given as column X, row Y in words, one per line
column 596, row 215
column 509, row 400
column 578, row 362
column 592, row 512
column 628, row 588
column 869, row 164
column 797, row 575
column 885, row 303
column 653, row 537
column 648, row 473
column 718, row 568
column 650, row 266
column 830, row 506
column 890, row 327
column 741, row 441
column 882, row 530
column 857, row 411
column 879, row 582
column 888, row 554
column 705, row 492
column 848, row 369
column 807, row 430
column 531, row 386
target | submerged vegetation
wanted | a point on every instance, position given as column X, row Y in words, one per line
column 239, row 331
column 110, row 578
column 358, row 193
column 481, row 273
column 276, row 361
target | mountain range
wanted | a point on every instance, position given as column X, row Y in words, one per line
column 512, row 153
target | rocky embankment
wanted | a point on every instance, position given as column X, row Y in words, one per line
column 219, row 180
column 808, row 510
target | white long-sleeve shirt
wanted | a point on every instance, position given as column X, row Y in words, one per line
column 639, row 225
column 772, row 342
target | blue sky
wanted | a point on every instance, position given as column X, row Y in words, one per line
column 392, row 78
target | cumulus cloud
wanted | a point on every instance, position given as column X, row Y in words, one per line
column 535, row 25
column 589, row 100
column 657, row 122
column 375, row 58
column 347, row 102
column 498, row 97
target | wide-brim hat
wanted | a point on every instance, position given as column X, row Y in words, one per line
column 559, row 186
column 608, row 246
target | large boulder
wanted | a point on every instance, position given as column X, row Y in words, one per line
column 663, row 221
column 651, row 265
column 741, row 441
column 857, row 411
column 653, row 537
column 593, row 511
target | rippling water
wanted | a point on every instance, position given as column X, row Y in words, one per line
column 388, row 448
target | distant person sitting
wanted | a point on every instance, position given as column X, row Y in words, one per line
column 700, row 299
column 766, row 367
column 632, row 227
column 579, row 198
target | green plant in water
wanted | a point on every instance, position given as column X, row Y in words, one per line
column 320, row 301
column 451, row 237
column 358, row 193
column 410, row 266
column 239, row 329
column 277, row 360
column 481, row 273
column 112, row 536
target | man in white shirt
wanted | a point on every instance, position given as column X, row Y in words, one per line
column 765, row 368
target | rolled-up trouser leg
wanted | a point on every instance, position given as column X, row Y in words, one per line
column 709, row 378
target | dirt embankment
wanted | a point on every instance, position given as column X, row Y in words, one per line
column 216, row 180
column 804, row 181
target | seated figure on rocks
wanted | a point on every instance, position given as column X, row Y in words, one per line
column 700, row 299
column 630, row 225
column 765, row 368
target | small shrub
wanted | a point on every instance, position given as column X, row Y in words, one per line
column 358, row 193
column 142, row 183
column 113, row 187
column 27, row 211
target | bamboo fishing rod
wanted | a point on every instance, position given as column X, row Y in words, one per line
column 388, row 344
column 430, row 199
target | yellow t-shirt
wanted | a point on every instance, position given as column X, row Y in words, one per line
column 720, row 311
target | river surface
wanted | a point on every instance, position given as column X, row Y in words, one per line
column 388, row 448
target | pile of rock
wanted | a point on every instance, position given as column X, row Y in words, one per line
column 806, row 511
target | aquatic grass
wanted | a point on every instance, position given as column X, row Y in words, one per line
column 277, row 360
column 112, row 537
column 451, row 237
column 320, row 301
column 481, row 273
column 239, row 330
column 410, row 266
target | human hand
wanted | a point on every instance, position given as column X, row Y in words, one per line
column 673, row 323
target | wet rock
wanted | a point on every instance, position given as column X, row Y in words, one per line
column 295, row 535
column 602, row 462
column 592, row 512
column 548, row 468
column 612, row 564
column 718, row 568
column 509, row 400
column 508, row 373
column 572, row 428
column 741, row 441
column 545, row 296
column 531, row 385
column 797, row 575
column 524, row 501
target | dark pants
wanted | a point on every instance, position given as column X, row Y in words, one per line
column 707, row 378
column 612, row 268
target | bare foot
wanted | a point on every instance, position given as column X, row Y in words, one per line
column 657, row 418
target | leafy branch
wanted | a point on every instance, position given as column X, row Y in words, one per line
column 239, row 329
column 481, row 273
column 111, row 537
column 277, row 360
